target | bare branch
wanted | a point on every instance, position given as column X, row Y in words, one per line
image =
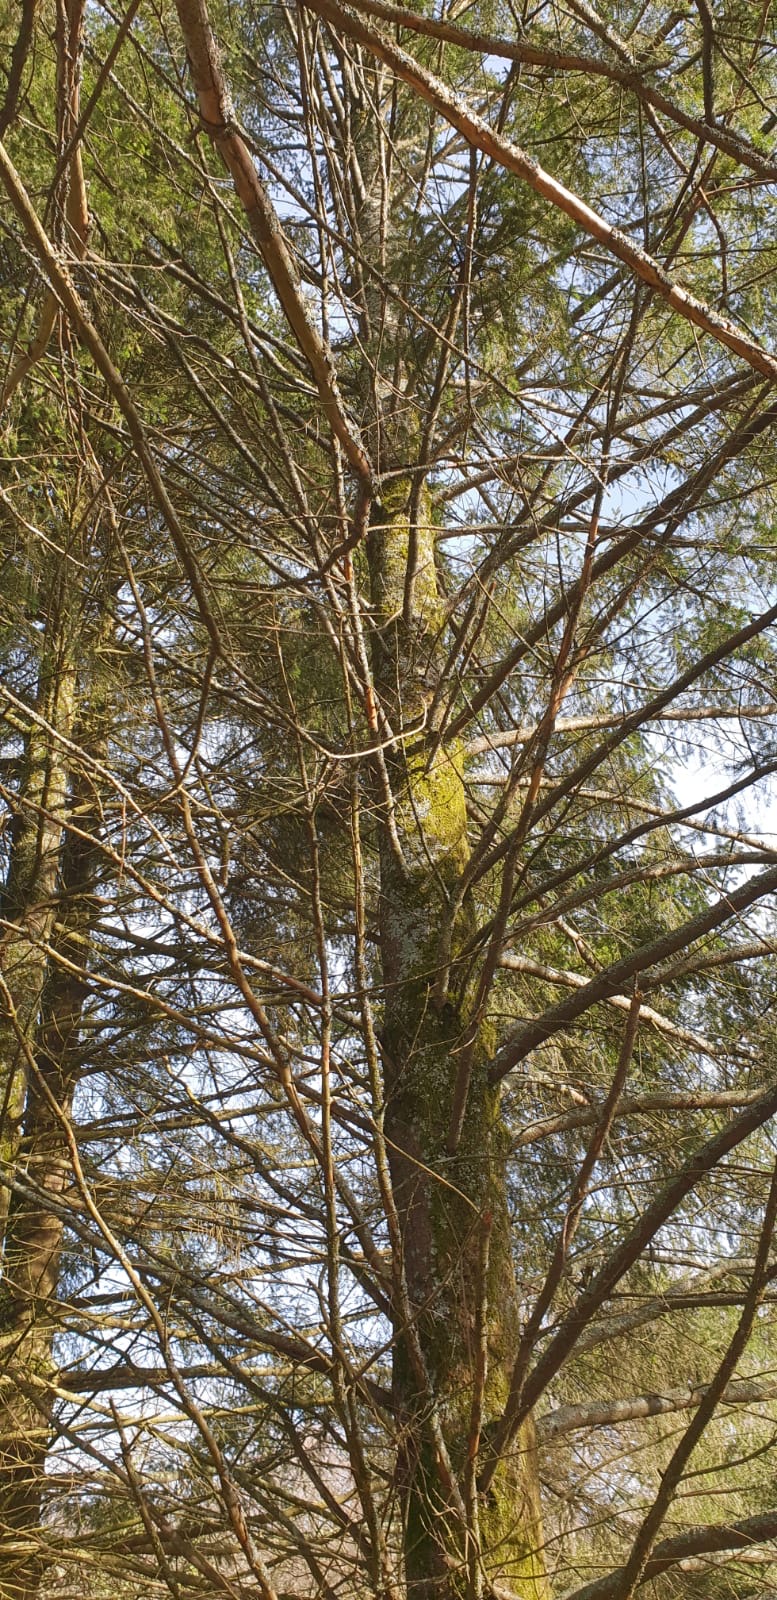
column 478, row 133
column 669, row 1553
column 614, row 1413
column 218, row 121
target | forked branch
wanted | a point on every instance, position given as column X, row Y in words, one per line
column 219, row 123
column 478, row 132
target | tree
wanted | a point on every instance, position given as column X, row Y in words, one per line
column 386, row 1031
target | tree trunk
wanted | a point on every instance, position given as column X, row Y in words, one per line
column 28, row 903
column 452, row 1209
column 28, row 920
column 35, row 1226
column 47, row 915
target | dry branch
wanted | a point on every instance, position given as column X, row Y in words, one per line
column 218, row 121
column 478, row 133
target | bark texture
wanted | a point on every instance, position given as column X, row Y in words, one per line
column 33, row 1241
column 28, row 903
column 47, row 914
column 452, row 1209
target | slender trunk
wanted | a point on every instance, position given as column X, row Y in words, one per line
column 46, row 916
column 27, row 924
column 28, row 902
column 452, row 1208
column 34, row 1228
column 26, row 906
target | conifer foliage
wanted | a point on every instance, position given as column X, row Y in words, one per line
column 388, row 852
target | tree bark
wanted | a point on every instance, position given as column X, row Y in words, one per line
column 452, row 1209
column 47, row 916
column 28, row 903
column 34, row 1230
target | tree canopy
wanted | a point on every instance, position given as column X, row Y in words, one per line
column 388, row 1176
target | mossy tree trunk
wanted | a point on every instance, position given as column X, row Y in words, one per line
column 456, row 1311
column 452, row 1208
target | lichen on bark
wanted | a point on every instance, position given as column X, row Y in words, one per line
column 452, row 1207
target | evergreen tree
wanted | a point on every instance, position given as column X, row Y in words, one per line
column 386, row 978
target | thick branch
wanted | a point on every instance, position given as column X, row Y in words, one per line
column 478, row 133
column 613, row 719
column 627, row 77
column 634, row 1106
column 18, row 62
column 622, row 973
column 576, row 980
column 689, row 1293
column 218, row 121
column 694, row 1542
column 610, row 1414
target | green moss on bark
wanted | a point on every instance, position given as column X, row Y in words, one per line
column 448, row 1204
